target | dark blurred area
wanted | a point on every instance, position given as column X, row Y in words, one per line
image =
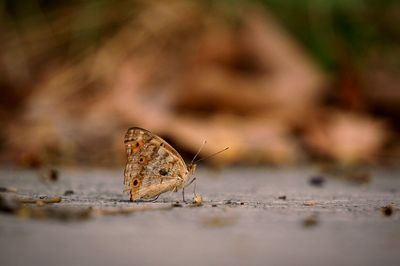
column 279, row 82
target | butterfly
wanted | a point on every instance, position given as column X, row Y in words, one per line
column 153, row 166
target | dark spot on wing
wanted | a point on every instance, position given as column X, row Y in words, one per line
column 163, row 171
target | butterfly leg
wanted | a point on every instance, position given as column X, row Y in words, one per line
column 183, row 195
column 190, row 182
column 183, row 189
column 194, row 189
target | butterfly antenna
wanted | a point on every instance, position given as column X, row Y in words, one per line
column 198, row 152
column 212, row 155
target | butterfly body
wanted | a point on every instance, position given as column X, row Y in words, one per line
column 153, row 166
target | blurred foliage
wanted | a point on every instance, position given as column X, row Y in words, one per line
column 70, row 26
column 63, row 58
column 333, row 30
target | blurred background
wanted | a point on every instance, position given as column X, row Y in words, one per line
column 279, row 82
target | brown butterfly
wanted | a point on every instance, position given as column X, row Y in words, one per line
column 153, row 166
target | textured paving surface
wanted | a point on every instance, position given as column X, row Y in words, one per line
column 242, row 221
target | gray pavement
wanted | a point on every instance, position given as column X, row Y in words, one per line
column 242, row 221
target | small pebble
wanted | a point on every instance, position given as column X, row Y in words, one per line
column 8, row 189
column 232, row 202
column 282, row 197
column 53, row 175
column 68, row 192
column 176, row 204
column 197, row 200
column 310, row 221
column 317, row 181
column 387, row 210
column 309, row 203
column 9, row 203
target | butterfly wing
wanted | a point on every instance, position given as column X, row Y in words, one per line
column 153, row 166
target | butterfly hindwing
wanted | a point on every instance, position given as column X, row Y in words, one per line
column 153, row 166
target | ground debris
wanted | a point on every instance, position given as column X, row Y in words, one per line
column 387, row 210
column 317, row 181
column 28, row 208
column 233, row 202
column 218, row 221
column 352, row 174
column 41, row 200
column 50, row 213
column 8, row 203
column 127, row 210
column 359, row 177
column 283, row 197
column 8, row 189
column 53, row 175
column 176, row 204
column 12, row 203
column 309, row 203
column 197, row 200
column 68, row 192
column 48, row 175
column 310, row 221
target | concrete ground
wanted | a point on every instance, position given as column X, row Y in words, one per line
column 245, row 220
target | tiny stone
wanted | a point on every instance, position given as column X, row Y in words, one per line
column 8, row 189
column 176, row 204
column 282, row 197
column 197, row 200
column 310, row 221
column 68, row 192
column 387, row 210
column 317, row 181
column 9, row 203
column 309, row 203
column 53, row 175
